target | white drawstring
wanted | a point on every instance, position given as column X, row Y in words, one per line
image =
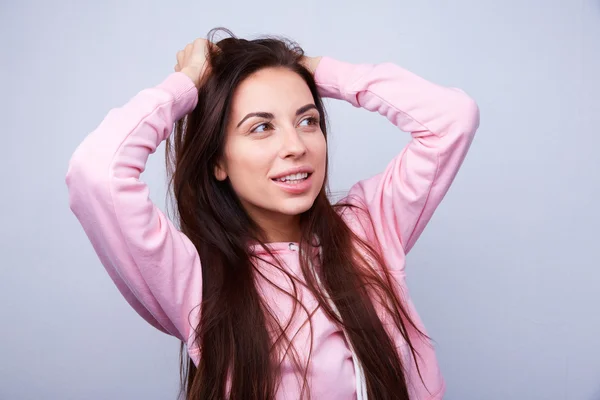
column 361, row 386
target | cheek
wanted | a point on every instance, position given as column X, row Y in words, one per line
column 249, row 160
column 320, row 149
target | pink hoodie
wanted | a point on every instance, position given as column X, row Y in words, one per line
column 157, row 268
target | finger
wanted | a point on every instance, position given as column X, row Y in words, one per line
column 177, row 68
column 188, row 49
column 180, row 57
column 199, row 43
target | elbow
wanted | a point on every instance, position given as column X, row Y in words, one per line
column 78, row 168
column 466, row 113
column 77, row 182
column 85, row 177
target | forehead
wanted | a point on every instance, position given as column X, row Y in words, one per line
column 271, row 90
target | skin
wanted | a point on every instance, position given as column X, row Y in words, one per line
column 262, row 148
column 258, row 148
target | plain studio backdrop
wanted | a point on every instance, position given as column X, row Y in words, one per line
column 506, row 276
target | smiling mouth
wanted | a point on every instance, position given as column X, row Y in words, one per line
column 294, row 178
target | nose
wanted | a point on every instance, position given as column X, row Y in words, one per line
column 292, row 144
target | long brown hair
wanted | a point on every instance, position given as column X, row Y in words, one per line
column 238, row 354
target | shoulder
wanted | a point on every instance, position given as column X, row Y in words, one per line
column 355, row 213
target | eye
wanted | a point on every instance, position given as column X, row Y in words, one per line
column 309, row 121
column 262, row 128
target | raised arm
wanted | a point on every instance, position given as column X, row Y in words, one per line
column 442, row 122
column 154, row 266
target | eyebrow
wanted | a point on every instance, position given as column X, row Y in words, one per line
column 267, row 115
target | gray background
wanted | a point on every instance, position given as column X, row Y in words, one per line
column 506, row 276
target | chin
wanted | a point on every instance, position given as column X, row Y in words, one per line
column 296, row 206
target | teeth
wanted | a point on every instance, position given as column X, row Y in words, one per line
column 293, row 177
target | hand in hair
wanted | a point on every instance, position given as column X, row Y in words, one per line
column 311, row 63
column 192, row 60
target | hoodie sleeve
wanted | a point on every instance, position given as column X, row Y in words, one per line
column 442, row 122
column 154, row 266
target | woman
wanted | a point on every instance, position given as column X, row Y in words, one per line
column 275, row 292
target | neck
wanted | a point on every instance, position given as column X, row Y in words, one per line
column 279, row 228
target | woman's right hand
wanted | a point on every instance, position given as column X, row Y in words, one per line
column 192, row 60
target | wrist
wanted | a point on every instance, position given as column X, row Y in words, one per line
column 312, row 63
column 193, row 74
column 316, row 61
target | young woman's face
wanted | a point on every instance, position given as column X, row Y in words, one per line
column 275, row 151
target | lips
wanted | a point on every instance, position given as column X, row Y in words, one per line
column 293, row 171
column 295, row 187
column 293, row 177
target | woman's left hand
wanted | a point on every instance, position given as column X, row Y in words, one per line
column 311, row 63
